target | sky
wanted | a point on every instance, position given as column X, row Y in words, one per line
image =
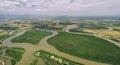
column 61, row 7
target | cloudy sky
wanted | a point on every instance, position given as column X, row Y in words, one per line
column 61, row 7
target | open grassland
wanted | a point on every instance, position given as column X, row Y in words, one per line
column 80, row 30
column 113, row 35
column 3, row 32
column 31, row 36
column 116, row 29
column 110, row 34
column 86, row 46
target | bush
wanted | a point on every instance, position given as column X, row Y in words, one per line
column 15, row 53
column 34, row 62
column 13, row 62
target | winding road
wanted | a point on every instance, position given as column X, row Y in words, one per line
column 116, row 43
column 67, row 28
column 28, row 56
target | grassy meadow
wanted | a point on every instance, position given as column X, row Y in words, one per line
column 31, row 36
column 86, row 46
column 109, row 34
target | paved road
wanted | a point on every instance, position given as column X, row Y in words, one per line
column 30, row 49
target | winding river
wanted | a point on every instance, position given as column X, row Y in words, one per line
column 28, row 56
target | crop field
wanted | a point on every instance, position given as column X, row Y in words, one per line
column 87, row 46
column 80, row 30
column 31, row 36
column 110, row 34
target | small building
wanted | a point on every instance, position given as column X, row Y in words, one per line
column 57, row 59
column 37, row 53
column 52, row 57
column 60, row 60
column 2, row 62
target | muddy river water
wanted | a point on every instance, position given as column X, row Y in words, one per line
column 28, row 56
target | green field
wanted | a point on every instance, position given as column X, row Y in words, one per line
column 46, row 57
column 51, row 62
column 77, row 30
column 86, row 46
column 34, row 62
column 31, row 36
column 2, row 37
column 15, row 53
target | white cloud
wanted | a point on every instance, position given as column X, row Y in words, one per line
column 57, row 7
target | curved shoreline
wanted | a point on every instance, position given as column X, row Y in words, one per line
column 30, row 49
column 116, row 43
column 68, row 27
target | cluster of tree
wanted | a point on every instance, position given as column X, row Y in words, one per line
column 15, row 53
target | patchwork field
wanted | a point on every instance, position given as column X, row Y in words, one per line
column 31, row 36
column 86, row 46
column 113, row 35
column 110, row 34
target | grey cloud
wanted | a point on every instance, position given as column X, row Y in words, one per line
column 63, row 7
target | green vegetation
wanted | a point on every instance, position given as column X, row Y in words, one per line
column 51, row 62
column 52, row 59
column 31, row 36
column 78, row 30
column 56, row 28
column 116, row 29
column 98, row 26
column 87, row 46
column 93, row 25
column 15, row 53
column 66, row 23
column 1, row 48
column 2, row 37
column 116, row 40
column 13, row 62
column 34, row 62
